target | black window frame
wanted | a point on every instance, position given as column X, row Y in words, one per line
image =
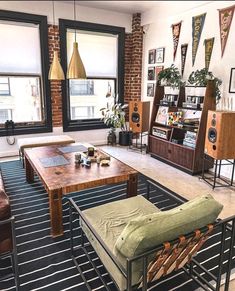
column 46, row 124
column 64, row 24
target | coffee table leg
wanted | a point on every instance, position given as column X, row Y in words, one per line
column 132, row 185
column 29, row 171
column 56, row 215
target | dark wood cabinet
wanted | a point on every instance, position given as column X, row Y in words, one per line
column 166, row 149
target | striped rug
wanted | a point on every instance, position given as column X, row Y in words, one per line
column 45, row 263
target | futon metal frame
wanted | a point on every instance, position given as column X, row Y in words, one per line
column 11, row 253
column 169, row 256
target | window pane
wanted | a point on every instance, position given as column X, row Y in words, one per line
column 20, row 48
column 88, row 96
column 24, row 101
column 5, row 115
column 98, row 52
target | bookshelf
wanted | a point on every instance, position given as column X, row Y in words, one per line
column 177, row 132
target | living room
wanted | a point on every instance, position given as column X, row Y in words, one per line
column 124, row 51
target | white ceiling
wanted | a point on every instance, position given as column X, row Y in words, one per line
column 139, row 6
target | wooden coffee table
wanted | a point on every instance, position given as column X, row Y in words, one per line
column 61, row 180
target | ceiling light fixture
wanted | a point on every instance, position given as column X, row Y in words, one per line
column 56, row 71
column 76, row 68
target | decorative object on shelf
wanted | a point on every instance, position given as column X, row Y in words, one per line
column 225, row 20
column 184, row 48
column 152, row 56
column 176, row 35
column 158, row 69
column 56, row 71
column 151, row 73
column 201, row 77
column 209, row 43
column 114, row 116
column 76, row 68
column 160, row 55
column 232, row 81
column 150, row 89
column 190, row 139
column 197, row 26
column 170, row 77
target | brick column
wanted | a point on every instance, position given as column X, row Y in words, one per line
column 133, row 60
column 56, row 92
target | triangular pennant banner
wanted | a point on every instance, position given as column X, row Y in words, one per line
column 176, row 35
column 225, row 20
column 184, row 48
column 209, row 43
column 197, row 26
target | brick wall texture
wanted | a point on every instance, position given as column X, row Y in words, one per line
column 132, row 70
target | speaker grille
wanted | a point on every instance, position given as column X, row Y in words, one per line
column 212, row 135
column 135, row 117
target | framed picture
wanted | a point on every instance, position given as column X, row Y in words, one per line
column 151, row 73
column 160, row 54
column 232, row 81
column 158, row 69
column 152, row 56
column 150, row 89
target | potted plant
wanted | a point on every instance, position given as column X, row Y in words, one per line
column 114, row 116
column 200, row 78
column 170, row 77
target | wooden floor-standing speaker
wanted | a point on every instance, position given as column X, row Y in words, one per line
column 220, row 135
column 139, row 116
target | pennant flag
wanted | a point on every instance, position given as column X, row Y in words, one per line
column 225, row 20
column 209, row 43
column 197, row 26
column 184, row 48
column 176, row 35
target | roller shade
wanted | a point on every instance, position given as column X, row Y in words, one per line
column 98, row 52
column 20, row 48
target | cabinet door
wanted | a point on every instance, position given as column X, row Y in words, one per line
column 181, row 156
column 158, row 147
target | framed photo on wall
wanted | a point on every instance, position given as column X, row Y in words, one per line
column 151, row 73
column 232, row 81
column 158, row 69
column 150, row 89
column 160, row 54
column 152, row 56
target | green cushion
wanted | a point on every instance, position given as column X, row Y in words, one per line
column 146, row 232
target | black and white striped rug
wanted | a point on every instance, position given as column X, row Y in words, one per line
column 45, row 263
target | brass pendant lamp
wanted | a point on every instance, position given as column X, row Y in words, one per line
column 76, row 68
column 56, row 71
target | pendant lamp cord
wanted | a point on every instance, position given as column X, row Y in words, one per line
column 53, row 5
column 74, row 11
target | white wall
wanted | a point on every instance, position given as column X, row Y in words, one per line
column 158, row 33
column 65, row 11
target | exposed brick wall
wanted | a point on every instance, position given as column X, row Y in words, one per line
column 56, row 92
column 133, row 60
column 133, row 67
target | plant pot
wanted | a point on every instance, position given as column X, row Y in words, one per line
column 200, row 91
column 125, row 138
column 111, row 138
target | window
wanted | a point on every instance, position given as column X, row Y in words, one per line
column 4, row 86
column 81, row 87
column 5, row 114
column 102, row 51
column 24, row 86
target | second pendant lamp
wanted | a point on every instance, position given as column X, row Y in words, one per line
column 76, row 68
